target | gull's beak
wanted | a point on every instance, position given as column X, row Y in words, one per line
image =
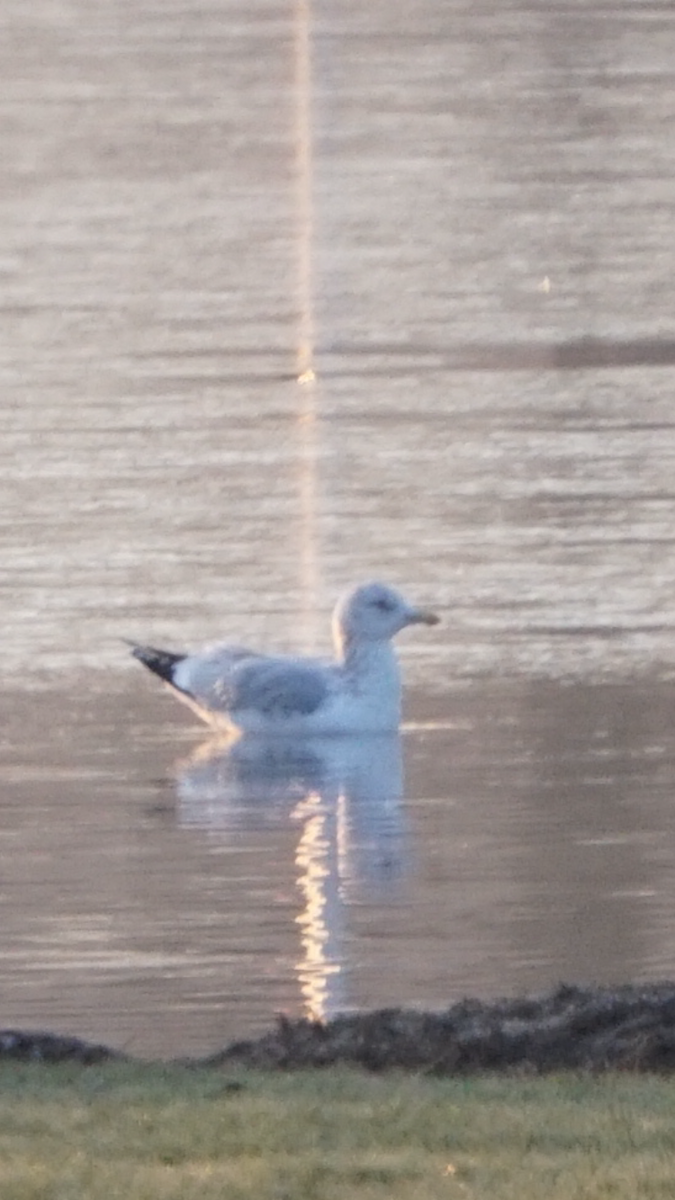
column 422, row 616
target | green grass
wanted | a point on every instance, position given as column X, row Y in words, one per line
column 164, row 1133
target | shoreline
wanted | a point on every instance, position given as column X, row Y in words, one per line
column 630, row 1027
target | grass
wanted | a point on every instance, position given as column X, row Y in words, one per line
column 168, row 1133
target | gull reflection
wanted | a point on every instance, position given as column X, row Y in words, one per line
column 344, row 794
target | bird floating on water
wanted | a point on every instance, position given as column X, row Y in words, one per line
column 358, row 692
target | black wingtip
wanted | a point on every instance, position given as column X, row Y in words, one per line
column 160, row 662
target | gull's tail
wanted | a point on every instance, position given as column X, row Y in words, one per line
column 160, row 662
column 163, row 663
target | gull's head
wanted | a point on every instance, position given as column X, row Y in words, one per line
column 374, row 612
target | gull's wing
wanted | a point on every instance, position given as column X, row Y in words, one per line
column 279, row 687
column 232, row 680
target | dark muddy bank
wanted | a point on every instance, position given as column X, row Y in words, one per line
column 572, row 1028
column 630, row 1028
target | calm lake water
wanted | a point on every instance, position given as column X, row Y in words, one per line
column 291, row 298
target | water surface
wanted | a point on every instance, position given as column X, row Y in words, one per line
column 459, row 219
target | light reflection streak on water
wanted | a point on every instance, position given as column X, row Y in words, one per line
column 342, row 840
column 304, row 167
column 319, row 967
column 307, row 408
column 309, row 498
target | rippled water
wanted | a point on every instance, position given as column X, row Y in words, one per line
column 459, row 218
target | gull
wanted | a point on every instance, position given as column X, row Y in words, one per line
column 248, row 692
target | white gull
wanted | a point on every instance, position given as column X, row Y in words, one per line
column 359, row 692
